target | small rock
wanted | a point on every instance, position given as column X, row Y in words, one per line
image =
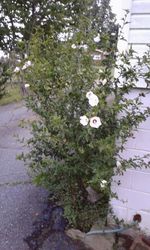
column 129, row 233
column 61, row 241
column 127, row 237
column 76, row 234
column 58, row 241
column 100, row 242
column 125, row 240
column 94, row 242
column 99, row 224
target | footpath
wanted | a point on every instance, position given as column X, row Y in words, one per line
column 20, row 201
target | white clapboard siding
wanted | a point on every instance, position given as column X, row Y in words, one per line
column 141, row 83
column 139, row 48
column 139, row 29
column 141, row 6
column 134, row 189
column 140, row 21
column 139, row 36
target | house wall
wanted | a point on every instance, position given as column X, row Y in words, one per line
column 134, row 191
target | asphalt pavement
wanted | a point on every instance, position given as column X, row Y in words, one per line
column 20, row 201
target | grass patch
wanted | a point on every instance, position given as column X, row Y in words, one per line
column 13, row 94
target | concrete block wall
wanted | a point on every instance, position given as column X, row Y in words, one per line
column 134, row 190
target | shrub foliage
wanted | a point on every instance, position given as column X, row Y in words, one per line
column 66, row 156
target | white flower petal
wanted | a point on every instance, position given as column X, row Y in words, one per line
column 26, row 65
column 118, row 164
column 97, row 39
column 83, row 46
column 89, row 94
column 73, row 46
column 95, row 122
column 84, row 120
column 27, row 85
column 100, row 71
column 16, row 70
column 104, row 81
column 103, row 183
column 93, row 100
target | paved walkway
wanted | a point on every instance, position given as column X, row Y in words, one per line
column 20, row 201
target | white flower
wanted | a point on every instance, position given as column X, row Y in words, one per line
column 95, row 122
column 19, row 35
column 83, row 46
column 27, row 85
column 104, row 81
column 16, row 70
column 97, row 57
column 93, row 99
column 118, row 164
column 73, row 46
column 97, row 38
column 84, row 120
column 26, row 65
column 103, row 183
column 100, row 71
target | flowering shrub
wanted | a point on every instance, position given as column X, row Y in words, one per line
column 86, row 117
column 95, row 121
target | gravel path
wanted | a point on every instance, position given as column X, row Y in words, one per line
column 20, row 201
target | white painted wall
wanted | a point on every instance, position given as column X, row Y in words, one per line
column 134, row 191
column 139, row 30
